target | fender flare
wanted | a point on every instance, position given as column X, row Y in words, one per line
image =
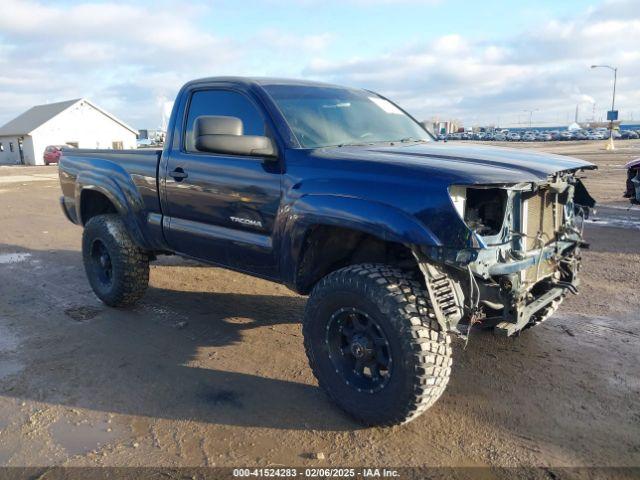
column 124, row 197
column 383, row 221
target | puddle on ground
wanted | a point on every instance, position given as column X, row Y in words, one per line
column 222, row 398
column 8, row 341
column 79, row 439
column 81, row 314
column 9, row 367
column 6, row 258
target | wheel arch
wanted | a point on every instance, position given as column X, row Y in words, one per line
column 94, row 202
column 97, row 194
column 326, row 233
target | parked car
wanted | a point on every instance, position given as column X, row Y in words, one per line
column 499, row 137
column 595, row 136
column 513, row 136
column 566, row 135
column 555, row 135
column 543, row 137
column 628, row 135
column 579, row 135
column 401, row 242
column 632, row 190
column 52, row 154
column 529, row 137
column 488, row 137
column 615, row 133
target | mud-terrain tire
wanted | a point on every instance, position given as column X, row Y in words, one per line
column 117, row 269
column 395, row 307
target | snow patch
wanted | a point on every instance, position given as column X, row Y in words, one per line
column 28, row 178
column 6, row 258
column 614, row 223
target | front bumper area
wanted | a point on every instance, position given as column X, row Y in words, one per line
column 529, row 290
column 510, row 295
column 547, row 301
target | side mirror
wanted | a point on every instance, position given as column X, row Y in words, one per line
column 219, row 134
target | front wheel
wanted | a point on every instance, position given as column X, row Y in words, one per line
column 117, row 269
column 374, row 345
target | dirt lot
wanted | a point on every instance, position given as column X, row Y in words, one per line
column 209, row 368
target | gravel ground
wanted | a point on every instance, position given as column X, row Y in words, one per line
column 209, row 368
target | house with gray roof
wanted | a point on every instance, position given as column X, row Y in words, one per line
column 74, row 123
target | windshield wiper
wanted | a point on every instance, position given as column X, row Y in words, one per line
column 352, row 144
column 364, row 144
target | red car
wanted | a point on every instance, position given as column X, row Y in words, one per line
column 52, row 154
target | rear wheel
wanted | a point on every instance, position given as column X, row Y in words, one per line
column 117, row 269
column 374, row 345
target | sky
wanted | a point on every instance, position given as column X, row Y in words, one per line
column 479, row 62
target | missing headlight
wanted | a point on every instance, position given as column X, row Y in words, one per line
column 484, row 210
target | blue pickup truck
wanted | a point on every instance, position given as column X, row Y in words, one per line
column 400, row 241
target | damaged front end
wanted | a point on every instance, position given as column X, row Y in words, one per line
column 524, row 257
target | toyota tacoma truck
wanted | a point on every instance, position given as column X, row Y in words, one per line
column 401, row 242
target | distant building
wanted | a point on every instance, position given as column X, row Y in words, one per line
column 150, row 137
column 75, row 123
column 438, row 127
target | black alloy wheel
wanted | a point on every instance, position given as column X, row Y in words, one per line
column 101, row 262
column 359, row 350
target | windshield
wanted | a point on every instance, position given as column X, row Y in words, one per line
column 326, row 116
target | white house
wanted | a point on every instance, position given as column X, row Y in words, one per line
column 76, row 123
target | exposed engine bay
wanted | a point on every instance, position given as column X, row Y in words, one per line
column 526, row 256
column 484, row 210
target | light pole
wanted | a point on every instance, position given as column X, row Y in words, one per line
column 530, row 112
column 613, row 100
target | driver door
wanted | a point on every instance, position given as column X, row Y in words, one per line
column 222, row 207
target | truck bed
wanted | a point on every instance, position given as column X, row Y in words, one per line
column 133, row 173
column 107, row 152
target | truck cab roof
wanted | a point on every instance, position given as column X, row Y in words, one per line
column 262, row 81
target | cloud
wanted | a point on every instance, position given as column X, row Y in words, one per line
column 276, row 38
column 481, row 80
column 127, row 56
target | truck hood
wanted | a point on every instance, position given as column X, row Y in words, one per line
column 464, row 164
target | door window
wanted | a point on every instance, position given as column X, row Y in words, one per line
column 225, row 103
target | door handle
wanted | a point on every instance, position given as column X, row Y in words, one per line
column 178, row 174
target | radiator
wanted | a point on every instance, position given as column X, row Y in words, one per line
column 543, row 213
